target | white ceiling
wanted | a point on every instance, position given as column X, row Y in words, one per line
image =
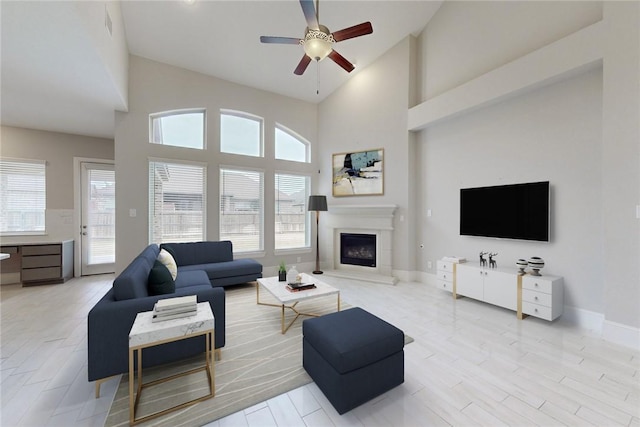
column 53, row 78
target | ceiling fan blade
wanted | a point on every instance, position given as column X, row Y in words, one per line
column 341, row 61
column 355, row 31
column 309, row 11
column 302, row 66
column 279, row 40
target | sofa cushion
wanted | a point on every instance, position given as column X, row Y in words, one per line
column 160, row 280
column 238, row 267
column 192, row 278
column 165, row 258
column 200, row 252
column 132, row 282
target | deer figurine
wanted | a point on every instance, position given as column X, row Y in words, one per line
column 483, row 261
column 492, row 262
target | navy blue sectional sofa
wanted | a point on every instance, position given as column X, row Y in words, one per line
column 110, row 320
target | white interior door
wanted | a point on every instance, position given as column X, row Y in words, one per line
column 98, row 216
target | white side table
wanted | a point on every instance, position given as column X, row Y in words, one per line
column 144, row 333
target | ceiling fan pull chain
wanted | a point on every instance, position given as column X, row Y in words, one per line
column 317, row 77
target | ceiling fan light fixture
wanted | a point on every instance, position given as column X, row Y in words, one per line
column 317, row 43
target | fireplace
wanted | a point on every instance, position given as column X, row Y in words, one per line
column 358, row 249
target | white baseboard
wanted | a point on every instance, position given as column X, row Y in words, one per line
column 618, row 333
column 584, row 319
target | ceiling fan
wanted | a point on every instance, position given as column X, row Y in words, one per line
column 317, row 39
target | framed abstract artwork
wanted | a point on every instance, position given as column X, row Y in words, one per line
column 358, row 173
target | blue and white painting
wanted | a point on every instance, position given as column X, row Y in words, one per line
column 358, row 173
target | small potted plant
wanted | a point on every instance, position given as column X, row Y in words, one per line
column 282, row 272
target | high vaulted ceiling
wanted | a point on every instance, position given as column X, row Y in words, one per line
column 55, row 77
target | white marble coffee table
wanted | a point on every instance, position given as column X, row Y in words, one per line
column 289, row 299
column 145, row 333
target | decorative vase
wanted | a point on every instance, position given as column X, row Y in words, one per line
column 282, row 276
column 293, row 276
column 521, row 264
column 536, row 264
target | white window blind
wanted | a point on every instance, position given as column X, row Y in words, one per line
column 290, row 147
column 177, row 202
column 184, row 128
column 241, row 134
column 242, row 209
column 23, row 196
column 291, row 194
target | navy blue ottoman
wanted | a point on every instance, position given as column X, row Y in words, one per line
column 353, row 356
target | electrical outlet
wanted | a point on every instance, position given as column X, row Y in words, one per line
column 429, row 265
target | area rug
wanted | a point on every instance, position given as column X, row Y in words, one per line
column 258, row 363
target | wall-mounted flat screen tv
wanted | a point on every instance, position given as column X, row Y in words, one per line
column 517, row 211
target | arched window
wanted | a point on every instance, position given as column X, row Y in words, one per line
column 241, row 133
column 179, row 128
column 290, row 146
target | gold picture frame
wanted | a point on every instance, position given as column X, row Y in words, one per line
column 358, row 173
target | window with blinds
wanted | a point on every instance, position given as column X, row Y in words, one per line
column 291, row 219
column 182, row 128
column 290, row 146
column 177, row 202
column 23, row 196
column 242, row 208
column 240, row 133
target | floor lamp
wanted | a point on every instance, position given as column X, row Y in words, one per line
column 317, row 203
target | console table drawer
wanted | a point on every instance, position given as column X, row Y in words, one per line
column 445, row 285
column 537, row 310
column 41, row 261
column 41, row 250
column 536, row 297
column 37, row 274
column 537, row 284
column 445, row 275
column 445, row 266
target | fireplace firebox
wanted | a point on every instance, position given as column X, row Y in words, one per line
column 358, row 249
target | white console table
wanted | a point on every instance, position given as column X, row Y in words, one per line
column 538, row 296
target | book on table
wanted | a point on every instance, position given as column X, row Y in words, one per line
column 176, row 303
column 294, row 287
column 175, row 308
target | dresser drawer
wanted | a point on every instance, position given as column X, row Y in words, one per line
column 41, row 261
column 445, row 275
column 535, row 283
column 539, row 298
column 445, row 286
column 36, row 274
column 445, row 266
column 41, row 250
column 537, row 310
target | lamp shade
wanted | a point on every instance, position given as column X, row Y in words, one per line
column 317, row 203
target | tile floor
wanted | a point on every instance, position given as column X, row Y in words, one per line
column 471, row 364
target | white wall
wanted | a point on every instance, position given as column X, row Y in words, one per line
column 582, row 133
column 156, row 87
column 58, row 149
column 370, row 112
column 553, row 134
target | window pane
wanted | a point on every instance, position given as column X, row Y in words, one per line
column 22, row 196
column 176, row 202
column 240, row 135
column 179, row 129
column 291, row 229
column 288, row 147
column 241, row 209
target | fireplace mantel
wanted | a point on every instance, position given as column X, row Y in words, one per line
column 372, row 219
